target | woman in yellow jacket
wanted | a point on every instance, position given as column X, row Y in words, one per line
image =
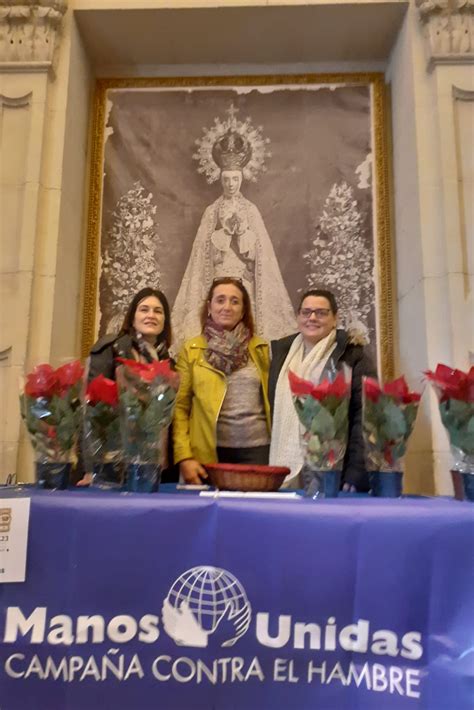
column 222, row 411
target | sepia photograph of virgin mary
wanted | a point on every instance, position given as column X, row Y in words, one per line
column 272, row 185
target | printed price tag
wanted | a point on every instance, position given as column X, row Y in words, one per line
column 14, row 521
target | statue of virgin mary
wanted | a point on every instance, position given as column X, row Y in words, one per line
column 232, row 239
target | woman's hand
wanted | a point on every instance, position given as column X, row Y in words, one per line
column 192, row 471
column 349, row 488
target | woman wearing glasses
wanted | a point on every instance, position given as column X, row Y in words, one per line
column 222, row 411
column 315, row 353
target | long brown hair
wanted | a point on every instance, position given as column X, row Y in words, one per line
column 247, row 318
column 127, row 325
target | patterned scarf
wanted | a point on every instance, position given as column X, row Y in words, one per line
column 148, row 352
column 227, row 350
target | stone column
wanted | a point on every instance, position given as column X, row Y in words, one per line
column 29, row 36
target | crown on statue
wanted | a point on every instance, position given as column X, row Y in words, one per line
column 232, row 151
column 231, row 144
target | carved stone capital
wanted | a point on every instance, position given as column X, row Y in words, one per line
column 29, row 32
column 449, row 30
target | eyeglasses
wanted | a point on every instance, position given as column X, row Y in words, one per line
column 318, row 312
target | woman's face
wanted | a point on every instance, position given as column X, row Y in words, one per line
column 315, row 319
column 226, row 306
column 149, row 318
column 231, row 181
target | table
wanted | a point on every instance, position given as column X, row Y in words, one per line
column 167, row 601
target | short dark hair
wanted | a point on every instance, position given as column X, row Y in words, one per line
column 127, row 325
column 247, row 317
column 321, row 293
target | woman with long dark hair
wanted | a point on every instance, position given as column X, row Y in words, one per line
column 145, row 335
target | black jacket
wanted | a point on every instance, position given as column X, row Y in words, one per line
column 105, row 351
column 354, row 356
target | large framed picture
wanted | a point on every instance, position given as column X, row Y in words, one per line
column 279, row 181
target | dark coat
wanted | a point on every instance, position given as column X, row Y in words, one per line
column 353, row 355
column 104, row 353
column 103, row 362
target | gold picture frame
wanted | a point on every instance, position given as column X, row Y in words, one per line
column 381, row 188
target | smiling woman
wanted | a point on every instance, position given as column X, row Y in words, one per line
column 222, row 412
column 316, row 353
column 145, row 336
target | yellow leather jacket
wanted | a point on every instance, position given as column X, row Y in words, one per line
column 201, row 393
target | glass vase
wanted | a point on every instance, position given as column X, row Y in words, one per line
column 143, row 477
column 107, row 475
column 463, row 474
column 52, row 475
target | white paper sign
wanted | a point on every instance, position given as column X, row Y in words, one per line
column 251, row 494
column 14, row 521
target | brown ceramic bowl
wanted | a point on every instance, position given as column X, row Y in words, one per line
column 246, row 477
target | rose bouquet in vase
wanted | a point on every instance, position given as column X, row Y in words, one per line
column 455, row 391
column 102, row 433
column 51, row 409
column 323, row 411
column 147, row 394
column 389, row 415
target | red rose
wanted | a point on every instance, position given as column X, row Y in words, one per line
column 302, row 388
column 339, row 387
column 372, row 389
column 41, row 382
column 51, row 432
column 69, row 374
column 321, row 391
column 299, row 386
column 398, row 389
column 452, row 384
column 148, row 371
column 101, row 389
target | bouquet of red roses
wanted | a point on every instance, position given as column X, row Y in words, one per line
column 147, row 395
column 51, row 409
column 389, row 414
column 101, row 424
column 455, row 391
column 323, row 411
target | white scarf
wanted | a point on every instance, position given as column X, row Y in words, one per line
column 287, row 447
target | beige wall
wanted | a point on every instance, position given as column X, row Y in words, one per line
column 434, row 277
column 43, row 158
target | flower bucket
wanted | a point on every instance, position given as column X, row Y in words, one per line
column 320, row 484
column 386, row 484
column 331, row 483
column 463, row 485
